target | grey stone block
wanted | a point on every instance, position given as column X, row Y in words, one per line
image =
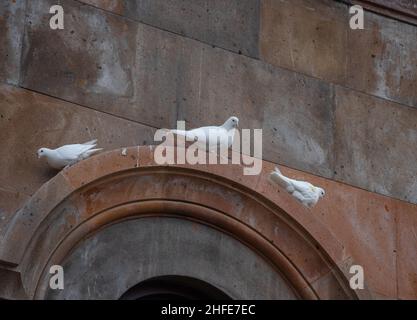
column 12, row 22
column 375, row 144
column 232, row 24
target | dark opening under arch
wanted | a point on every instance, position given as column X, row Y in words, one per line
column 174, row 287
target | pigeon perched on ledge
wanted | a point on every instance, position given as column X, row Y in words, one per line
column 214, row 136
column 69, row 154
column 303, row 191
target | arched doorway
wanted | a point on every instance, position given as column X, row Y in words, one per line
column 90, row 218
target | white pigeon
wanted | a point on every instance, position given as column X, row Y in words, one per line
column 213, row 136
column 68, row 155
column 303, row 191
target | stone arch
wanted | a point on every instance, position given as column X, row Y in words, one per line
column 123, row 185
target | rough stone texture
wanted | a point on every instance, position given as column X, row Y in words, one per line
column 116, row 6
column 328, row 289
column 374, row 231
column 232, row 24
column 34, row 211
column 407, row 251
column 378, row 232
column 180, row 78
column 297, row 129
column 108, row 63
column 386, row 64
column 175, row 247
column 362, row 221
column 111, row 63
column 89, row 62
column 314, row 37
column 52, row 123
column 406, row 6
column 234, row 208
column 375, row 144
column 10, row 201
column 11, row 285
column 307, row 36
column 404, row 10
column 12, row 18
column 85, row 171
column 166, row 78
column 366, row 224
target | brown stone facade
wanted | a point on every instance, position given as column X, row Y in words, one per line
column 114, row 187
column 338, row 107
column 350, row 226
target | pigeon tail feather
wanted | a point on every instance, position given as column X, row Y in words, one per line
column 92, row 151
column 277, row 177
column 90, row 143
column 278, row 171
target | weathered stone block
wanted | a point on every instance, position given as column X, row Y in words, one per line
column 327, row 288
column 382, row 59
column 314, row 37
column 406, row 251
column 116, row 6
column 166, row 77
column 375, row 144
column 16, row 236
column 10, row 201
column 89, row 62
column 232, row 24
column 108, row 63
column 404, row 10
column 307, row 36
column 294, row 111
column 12, row 19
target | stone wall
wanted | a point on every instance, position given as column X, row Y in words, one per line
column 333, row 102
column 349, row 226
